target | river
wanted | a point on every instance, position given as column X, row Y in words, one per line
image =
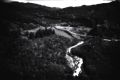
column 74, row 62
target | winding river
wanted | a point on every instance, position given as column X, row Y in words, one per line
column 74, row 62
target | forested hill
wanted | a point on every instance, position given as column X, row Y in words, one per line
column 25, row 12
column 30, row 50
column 89, row 15
column 94, row 13
column 27, row 15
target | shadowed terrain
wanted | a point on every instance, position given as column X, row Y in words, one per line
column 30, row 49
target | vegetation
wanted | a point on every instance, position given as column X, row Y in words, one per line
column 41, row 57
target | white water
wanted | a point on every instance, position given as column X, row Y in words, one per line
column 70, row 48
column 78, row 63
column 111, row 40
column 74, row 62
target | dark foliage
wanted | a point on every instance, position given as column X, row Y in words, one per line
column 41, row 56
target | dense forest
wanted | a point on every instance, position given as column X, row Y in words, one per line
column 41, row 56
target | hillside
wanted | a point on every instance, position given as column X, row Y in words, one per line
column 30, row 49
column 98, row 13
